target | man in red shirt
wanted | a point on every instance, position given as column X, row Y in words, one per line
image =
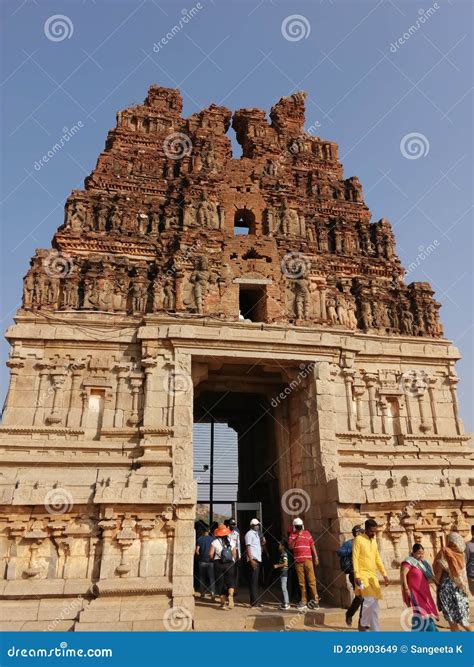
column 304, row 553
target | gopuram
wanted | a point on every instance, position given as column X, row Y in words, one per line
column 186, row 281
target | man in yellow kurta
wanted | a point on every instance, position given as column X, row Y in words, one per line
column 366, row 561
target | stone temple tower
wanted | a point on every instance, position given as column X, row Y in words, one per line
column 186, row 282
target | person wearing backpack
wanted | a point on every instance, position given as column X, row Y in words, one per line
column 223, row 556
column 345, row 559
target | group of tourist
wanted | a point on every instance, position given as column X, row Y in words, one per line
column 452, row 575
column 220, row 553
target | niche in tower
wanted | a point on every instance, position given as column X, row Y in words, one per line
column 244, row 222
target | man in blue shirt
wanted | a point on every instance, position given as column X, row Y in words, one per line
column 206, row 566
column 345, row 554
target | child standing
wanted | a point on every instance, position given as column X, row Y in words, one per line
column 282, row 565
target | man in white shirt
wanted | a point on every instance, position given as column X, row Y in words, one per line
column 254, row 542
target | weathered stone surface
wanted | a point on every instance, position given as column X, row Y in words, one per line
column 150, row 293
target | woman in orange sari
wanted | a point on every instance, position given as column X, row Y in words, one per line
column 448, row 569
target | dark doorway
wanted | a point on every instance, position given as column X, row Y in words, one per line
column 242, row 467
column 252, row 303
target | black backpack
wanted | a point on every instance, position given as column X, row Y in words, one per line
column 226, row 553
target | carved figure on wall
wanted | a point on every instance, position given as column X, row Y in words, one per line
column 301, row 289
column 331, row 310
column 322, row 237
column 289, row 221
column 157, row 291
column 200, row 281
column 28, row 290
column 169, row 299
column 380, row 314
column 101, row 218
column 115, row 219
column 407, row 322
column 70, row 294
column 142, row 222
column 366, row 312
column 139, row 296
column 351, row 314
column 120, row 292
column 78, row 216
column 341, row 310
column 271, row 168
column 207, row 215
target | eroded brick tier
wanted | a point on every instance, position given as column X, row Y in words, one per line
column 153, row 230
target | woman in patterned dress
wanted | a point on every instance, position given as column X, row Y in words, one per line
column 448, row 569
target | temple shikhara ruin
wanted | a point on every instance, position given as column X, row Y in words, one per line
column 187, row 285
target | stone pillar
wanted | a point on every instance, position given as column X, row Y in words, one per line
column 15, row 365
column 453, row 381
column 120, row 395
column 55, row 416
column 149, row 364
column 420, row 396
column 348, row 382
column 383, row 410
column 183, row 558
column 108, row 527
column 370, row 380
column 39, row 407
column 136, row 382
column 73, row 418
column 158, row 380
column 145, row 527
column 359, row 391
column 85, row 401
column 432, row 382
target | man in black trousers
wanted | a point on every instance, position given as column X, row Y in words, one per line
column 254, row 542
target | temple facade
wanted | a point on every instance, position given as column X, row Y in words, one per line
column 185, row 281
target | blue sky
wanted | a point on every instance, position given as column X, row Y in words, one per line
column 367, row 91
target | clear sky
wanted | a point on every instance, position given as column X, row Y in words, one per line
column 375, row 71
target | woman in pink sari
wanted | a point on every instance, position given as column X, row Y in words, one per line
column 415, row 575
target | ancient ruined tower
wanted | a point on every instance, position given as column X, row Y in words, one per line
column 184, row 279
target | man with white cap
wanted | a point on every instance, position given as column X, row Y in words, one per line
column 253, row 544
column 301, row 544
